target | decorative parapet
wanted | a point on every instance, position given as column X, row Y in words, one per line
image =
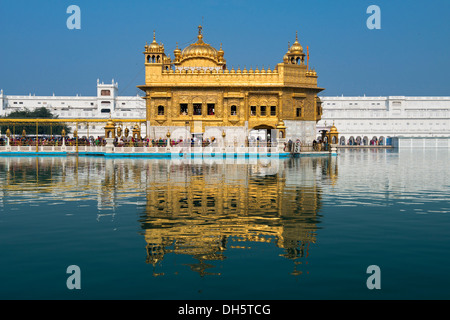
column 281, row 75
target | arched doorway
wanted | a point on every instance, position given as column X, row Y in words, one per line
column 374, row 141
column 351, row 141
column 262, row 135
column 342, row 141
column 365, row 140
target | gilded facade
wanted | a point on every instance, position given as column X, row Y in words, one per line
column 195, row 93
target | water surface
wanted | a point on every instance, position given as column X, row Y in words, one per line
column 303, row 228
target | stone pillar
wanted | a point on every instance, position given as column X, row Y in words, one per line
column 168, row 146
column 63, row 134
column 333, row 148
column 109, row 145
column 8, row 144
column 224, row 141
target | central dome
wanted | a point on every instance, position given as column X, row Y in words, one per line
column 199, row 55
column 200, row 48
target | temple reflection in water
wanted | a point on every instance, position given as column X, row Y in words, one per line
column 195, row 207
column 203, row 209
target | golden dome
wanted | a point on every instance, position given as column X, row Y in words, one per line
column 200, row 48
column 281, row 125
column 110, row 124
column 177, row 50
column 333, row 129
column 296, row 47
column 154, row 46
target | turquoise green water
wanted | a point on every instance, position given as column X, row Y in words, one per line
column 304, row 228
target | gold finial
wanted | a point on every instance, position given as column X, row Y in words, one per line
column 200, row 35
column 296, row 36
column 154, row 36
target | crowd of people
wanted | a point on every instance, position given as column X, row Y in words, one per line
column 52, row 141
column 146, row 142
column 297, row 146
column 362, row 142
column 100, row 141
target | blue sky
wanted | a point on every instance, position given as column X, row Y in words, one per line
column 409, row 55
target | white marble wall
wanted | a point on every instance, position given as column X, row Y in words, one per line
column 303, row 130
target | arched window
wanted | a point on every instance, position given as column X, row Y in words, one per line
column 233, row 110
column 273, row 110
column 160, row 110
column 342, row 141
column 153, row 59
column 297, row 60
column 157, row 59
column 148, row 59
column 351, row 141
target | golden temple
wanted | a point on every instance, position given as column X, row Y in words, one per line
column 196, row 94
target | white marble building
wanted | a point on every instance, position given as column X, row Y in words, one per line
column 107, row 102
column 358, row 119
column 362, row 119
